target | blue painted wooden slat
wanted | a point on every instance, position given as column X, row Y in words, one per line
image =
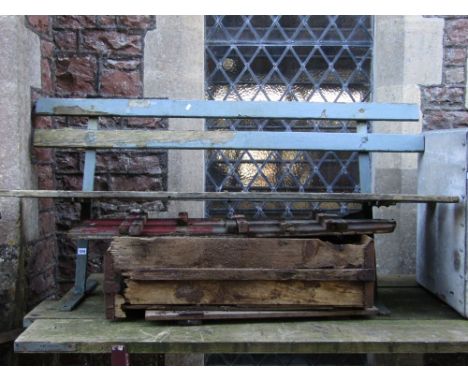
column 254, row 140
column 224, row 109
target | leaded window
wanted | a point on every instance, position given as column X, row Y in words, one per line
column 285, row 58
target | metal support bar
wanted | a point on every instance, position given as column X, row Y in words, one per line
column 365, row 175
column 324, row 224
column 81, row 286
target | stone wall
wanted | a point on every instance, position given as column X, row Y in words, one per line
column 93, row 56
column 407, row 55
column 20, row 238
column 444, row 106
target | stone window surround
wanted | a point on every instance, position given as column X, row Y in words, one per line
column 174, row 68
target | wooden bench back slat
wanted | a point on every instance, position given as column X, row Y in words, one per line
column 191, row 140
column 222, row 109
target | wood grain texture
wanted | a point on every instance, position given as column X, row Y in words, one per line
column 376, row 199
column 207, row 252
column 161, row 274
column 219, row 139
column 237, row 271
column 419, row 323
column 171, row 315
column 326, row 293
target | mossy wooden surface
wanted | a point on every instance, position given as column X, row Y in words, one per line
column 418, row 323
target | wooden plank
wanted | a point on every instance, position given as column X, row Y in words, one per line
column 419, row 323
column 323, row 293
column 161, row 274
column 171, row 315
column 133, row 253
column 406, row 301
column 379, row 199
column 293, row 336
column 221, row 109
column 201, row 140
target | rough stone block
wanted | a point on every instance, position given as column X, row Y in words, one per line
column 67, row 214
column 41, row 122
column 76, row 76
column 69, row 182
column 45, row 204
column 42, row 155
column 74, row 22
column 120, row 83
column 47, row 223
column 128, row 163
column 135, row 183
column 455, row 75
column 46, row 76
column 127, row 65
column 65, row 40
column 455, row 56
column 45, row 177
column 9, row 258
column 442, row 97
column 42, row 286
column 439, row 119
column 66, row 161
column 112, row 42
column 110, row 122
column 106, row 21
column 47, row 49
column 147, row 123
column 137, row 22
column 40, row 24
column 43, row 256
column 73, row 122
column 107, row 208
column 455, row 32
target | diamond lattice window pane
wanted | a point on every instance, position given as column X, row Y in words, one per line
column 285, row 58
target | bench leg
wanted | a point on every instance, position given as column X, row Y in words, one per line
column 119, row 356
column 82, row 286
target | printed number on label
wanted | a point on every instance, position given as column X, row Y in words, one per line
column 82, row 251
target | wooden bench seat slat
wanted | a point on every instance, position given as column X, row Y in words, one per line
column 255, row 196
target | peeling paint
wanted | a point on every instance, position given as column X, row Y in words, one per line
column 76, row 110
column 90, row 138
column 139, row 103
